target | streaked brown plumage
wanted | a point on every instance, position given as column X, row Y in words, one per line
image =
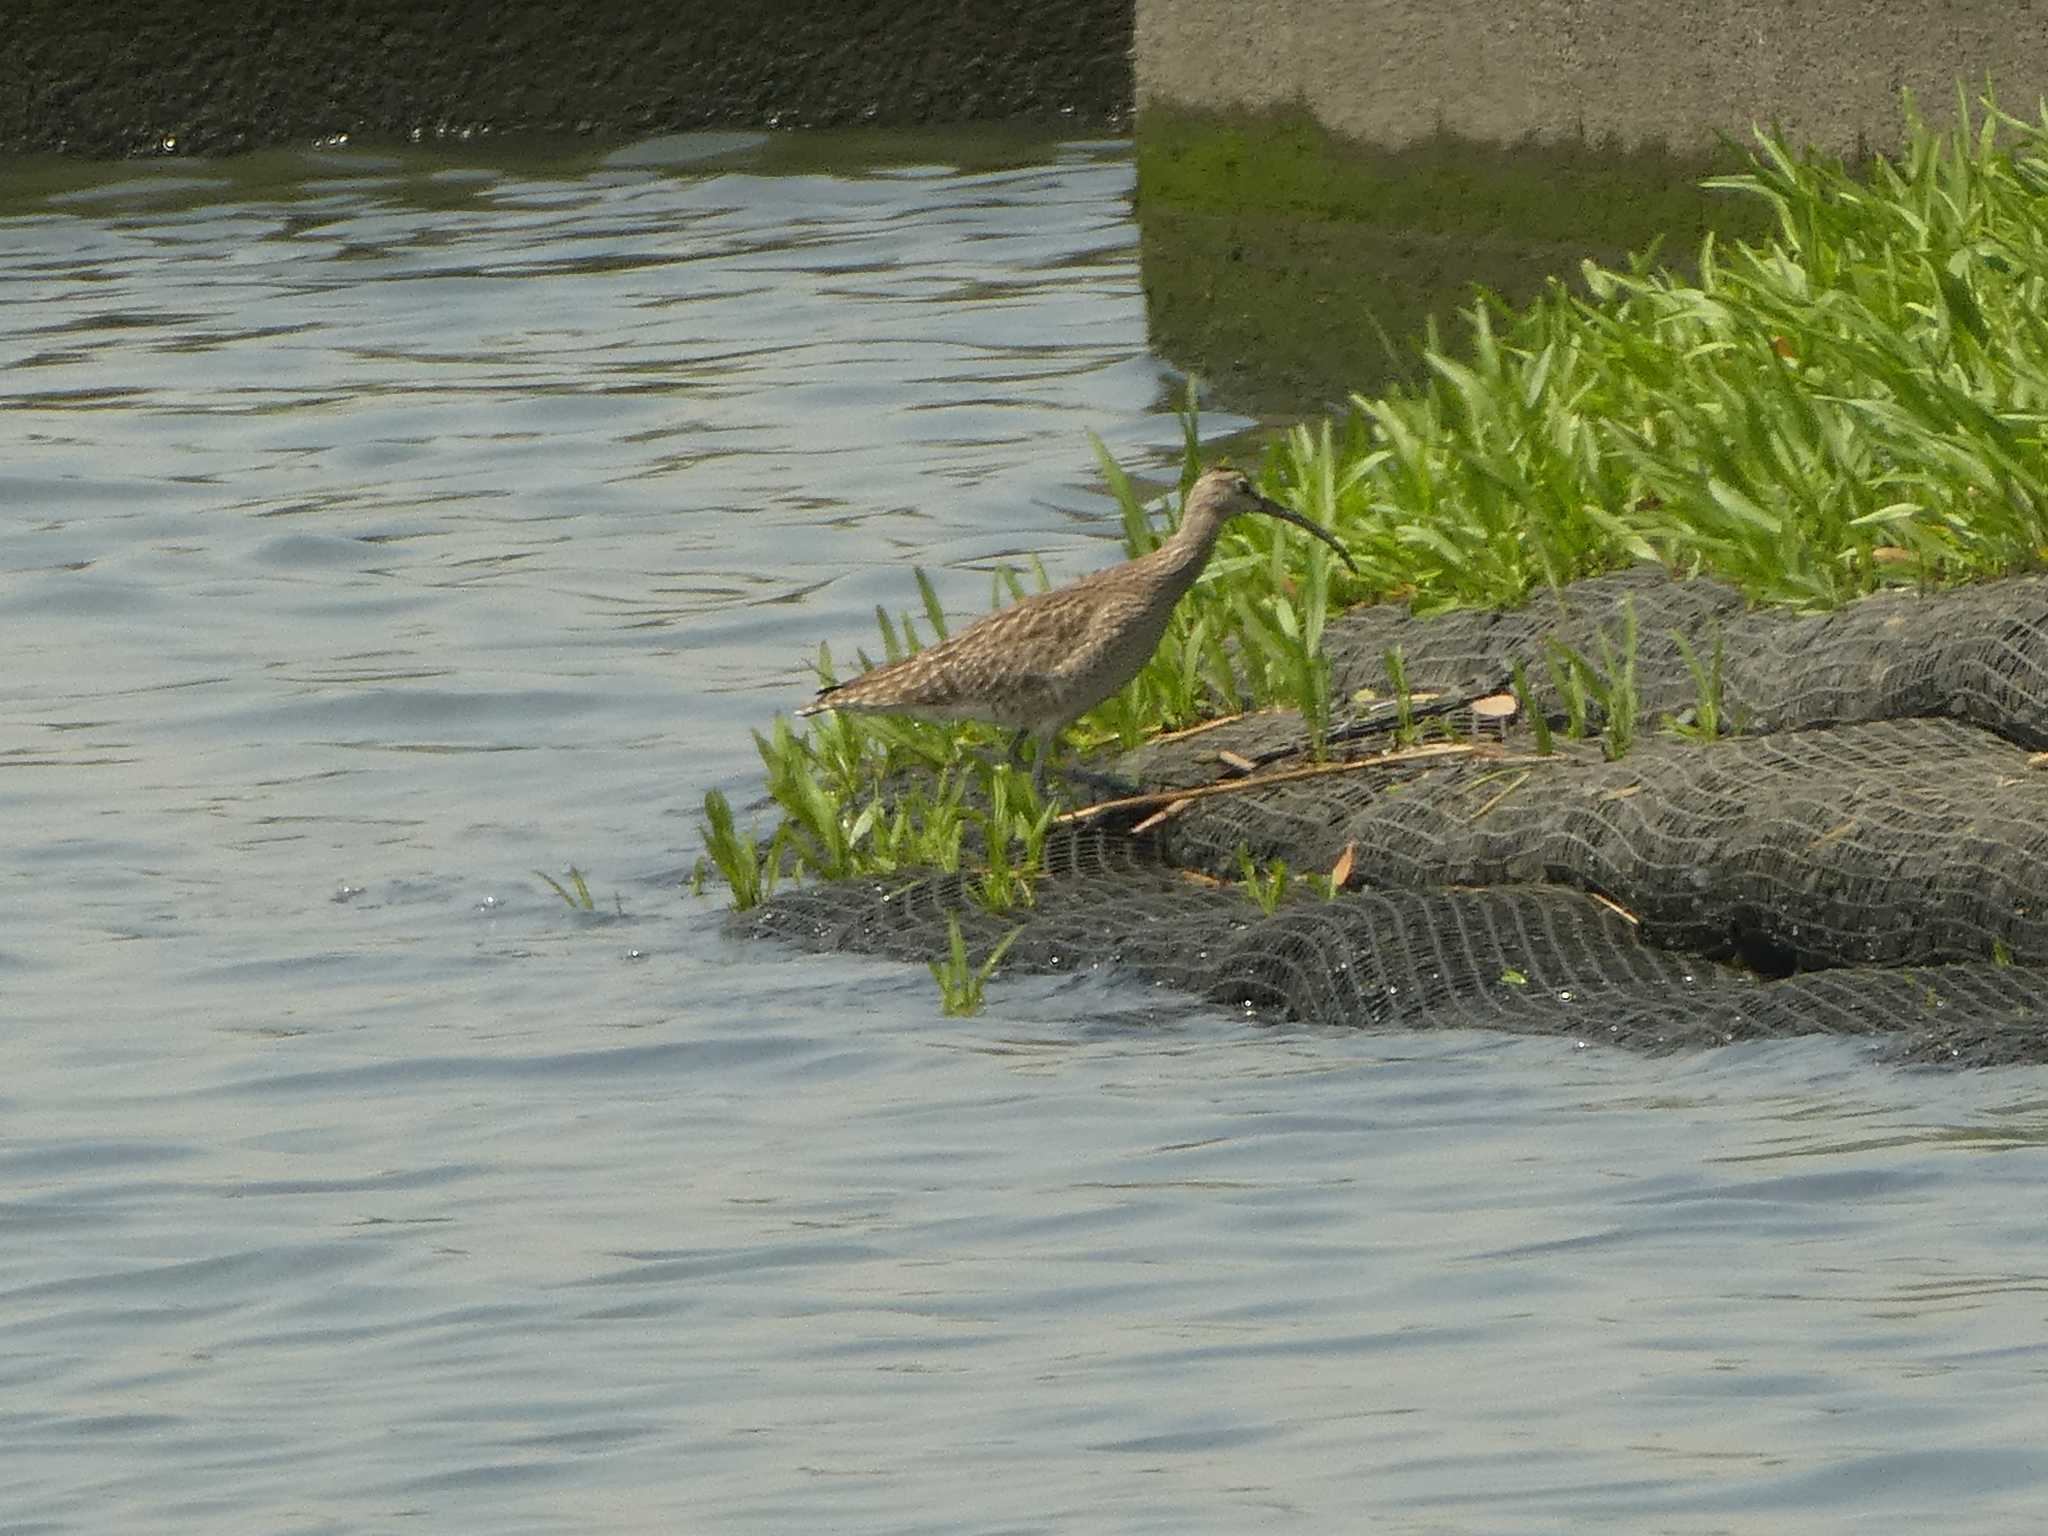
column 1040, row 664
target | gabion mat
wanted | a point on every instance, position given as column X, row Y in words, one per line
column 1868, row 857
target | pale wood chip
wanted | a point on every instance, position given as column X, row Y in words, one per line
column 1164, row 813
column 1616, row 908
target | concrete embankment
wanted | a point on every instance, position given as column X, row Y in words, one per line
column 1641, row 72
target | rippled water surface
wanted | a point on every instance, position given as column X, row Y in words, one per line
column 378, row 531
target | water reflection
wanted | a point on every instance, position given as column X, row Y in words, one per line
column 1292, row 268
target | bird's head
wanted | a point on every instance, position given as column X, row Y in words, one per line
column 1223, row 493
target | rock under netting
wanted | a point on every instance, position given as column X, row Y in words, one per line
column 1869, row 856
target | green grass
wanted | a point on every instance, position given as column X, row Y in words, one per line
column 1013, row 840
column 1709, row 716
column 1857, row 401
column 1396, row 661
column 1267, row 886
column 748, row 869
column 576, row 895
column 960, row 983
column 581, row 900
column 1606, row 685
column 1531, row 712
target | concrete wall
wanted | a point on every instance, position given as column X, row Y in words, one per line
column 118, row 77
column 1391, row 72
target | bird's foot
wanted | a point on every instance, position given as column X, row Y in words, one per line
column 1111, row 785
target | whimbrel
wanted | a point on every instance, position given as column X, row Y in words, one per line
column 1046, row 660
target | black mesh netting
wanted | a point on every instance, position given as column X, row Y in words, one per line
column 1869, row 858
column 1977, row 653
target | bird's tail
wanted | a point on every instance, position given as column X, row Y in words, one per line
column 822, row 702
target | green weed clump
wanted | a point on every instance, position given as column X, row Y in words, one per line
column 1531, row 710
column 1013, row 839
column 1709, row 715
column 1608, row 685
column 1266, row 886
column 748, row 869
column 576, row 895
column 1859, row 400
column 961, row 984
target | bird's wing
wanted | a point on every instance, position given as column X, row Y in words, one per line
column 1113, row 625
column 1028, row 652
column 1086, row 671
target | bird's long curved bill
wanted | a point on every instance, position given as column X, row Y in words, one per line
column 1289, row 515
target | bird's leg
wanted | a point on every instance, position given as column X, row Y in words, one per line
column 1072, row 774
column 1075, row 773
column 1114, row 785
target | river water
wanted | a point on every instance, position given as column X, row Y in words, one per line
column 376, row 531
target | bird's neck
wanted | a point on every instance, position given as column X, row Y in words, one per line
column 1181, row 557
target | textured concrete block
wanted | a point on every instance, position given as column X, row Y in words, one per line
column 1393, row 72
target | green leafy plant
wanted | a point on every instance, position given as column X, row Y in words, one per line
column 1620, row 700
column 1568, row 676
column 1532, row 711
column 1608, row 687
column 747, row 868
column 1404, row 698
column 1013, row 838
column 579, row 898
column 1708, row 722
column 960, row 983
column 1267, row 887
